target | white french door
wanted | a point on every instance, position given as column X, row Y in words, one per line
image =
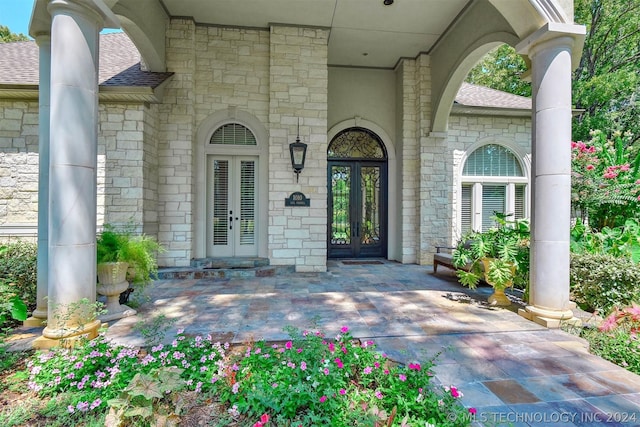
column 232, row 206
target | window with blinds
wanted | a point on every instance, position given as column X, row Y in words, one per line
column 465, row 208
column 233, row 134
column 493, row 200
column 492, row 160
column 220, row 201
column 519, row 210
column 493, row 181
column 247, row 202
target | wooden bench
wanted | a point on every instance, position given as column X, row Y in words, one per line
column 446, row 259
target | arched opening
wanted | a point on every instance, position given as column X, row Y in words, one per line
column 357, row 200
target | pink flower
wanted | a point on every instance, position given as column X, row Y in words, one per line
column 473, row 411
column 344, row 329
column 343, row 391
column 625, row 167
column 367, row 370
column 402, row 377
column 634, row 311
column 264, row 418
column 339, row 363
column 610, row 322
column 303, row 366
column 590, row 167
column 326, row 371
column 454, row 392
column 378, row 394
column 323, row 399
column 414, row 366
column 332, row 347
column 288, row 345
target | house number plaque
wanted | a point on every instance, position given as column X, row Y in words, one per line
column 297, row 199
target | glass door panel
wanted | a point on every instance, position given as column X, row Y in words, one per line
column 232, row 206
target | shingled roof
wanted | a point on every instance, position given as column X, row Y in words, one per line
column 120, row 67
column 479, row 96
column 119, row 64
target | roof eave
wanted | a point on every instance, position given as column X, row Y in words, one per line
column 127, row 94
column 465, row 110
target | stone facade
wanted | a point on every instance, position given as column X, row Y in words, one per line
column 151, row 172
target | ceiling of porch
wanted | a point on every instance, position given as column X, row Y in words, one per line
column 364, row 33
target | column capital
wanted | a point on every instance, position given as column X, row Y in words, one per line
column 101, row 12
column 554, row 34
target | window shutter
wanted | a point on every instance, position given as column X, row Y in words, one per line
column 493, row 200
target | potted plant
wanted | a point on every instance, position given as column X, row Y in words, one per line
column 123, row 259
column 499, row 255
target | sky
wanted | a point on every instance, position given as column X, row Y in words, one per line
column 16, row 14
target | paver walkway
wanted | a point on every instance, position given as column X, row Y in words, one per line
column 513, row 371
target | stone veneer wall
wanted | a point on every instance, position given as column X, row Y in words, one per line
column 277, row 76
column 150, row 171
column 407, row 146
column 19, row 166
column 467, row 130
column 175, row 146
column 121, row 173
column 298, row 91
column 121, row 129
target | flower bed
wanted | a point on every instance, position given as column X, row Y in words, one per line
column 308, row 380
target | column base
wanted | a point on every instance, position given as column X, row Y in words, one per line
column 66, row 337
column 35, row 322
column 551, row 319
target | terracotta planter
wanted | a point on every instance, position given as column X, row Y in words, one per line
column 111, row 283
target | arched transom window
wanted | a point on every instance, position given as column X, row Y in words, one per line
column 356, row 143
column 493, row 182
column 233, row 134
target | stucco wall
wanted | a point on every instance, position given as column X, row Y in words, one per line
column 369, row 94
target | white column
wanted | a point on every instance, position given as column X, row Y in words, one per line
column 44, row 47
column 551, row 57
column 73, row 164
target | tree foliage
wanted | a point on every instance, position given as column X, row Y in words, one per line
column 606, row 83
column 7, row 36
column 501, row 69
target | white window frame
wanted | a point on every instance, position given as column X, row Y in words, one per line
column 476, row 182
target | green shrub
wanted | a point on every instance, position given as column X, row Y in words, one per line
column 19, row 265
column 18, row 281
column 616, row 339
column 601, row 282
column 622, row 241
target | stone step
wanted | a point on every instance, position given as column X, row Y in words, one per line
column 228, row 263
column 225, row 268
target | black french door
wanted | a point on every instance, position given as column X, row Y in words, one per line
column 357, row 209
